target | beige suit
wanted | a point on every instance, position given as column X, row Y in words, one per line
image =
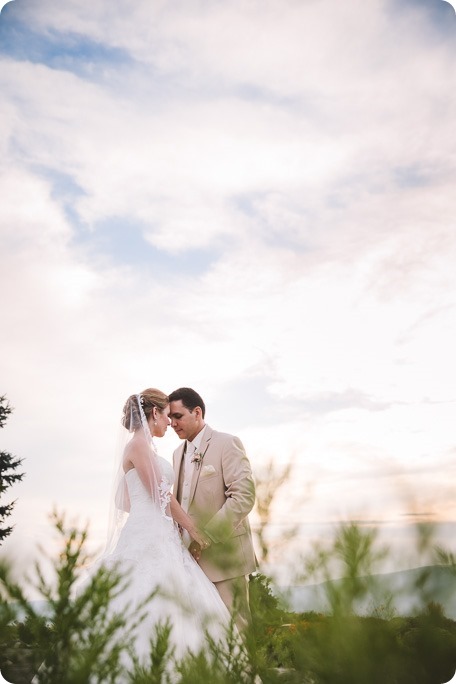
column 222, row 494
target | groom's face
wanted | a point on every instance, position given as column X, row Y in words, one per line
column 186, row 424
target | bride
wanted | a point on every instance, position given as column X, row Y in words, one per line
column 145, row 541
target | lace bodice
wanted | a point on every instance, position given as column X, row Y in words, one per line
column 167, row 470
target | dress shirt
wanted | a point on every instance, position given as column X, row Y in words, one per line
column 191, row 448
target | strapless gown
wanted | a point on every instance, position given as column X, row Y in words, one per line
column 150, row 549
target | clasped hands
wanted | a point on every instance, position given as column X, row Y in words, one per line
column 198, row 544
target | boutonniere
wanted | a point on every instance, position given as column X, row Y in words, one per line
column 198, row 456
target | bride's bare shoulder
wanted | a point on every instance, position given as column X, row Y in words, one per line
column 135, row 448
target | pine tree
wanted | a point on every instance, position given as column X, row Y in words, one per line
column 8, row 465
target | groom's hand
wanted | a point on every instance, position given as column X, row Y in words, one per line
column 195, row 550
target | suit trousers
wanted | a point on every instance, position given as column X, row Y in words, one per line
column 235, row 595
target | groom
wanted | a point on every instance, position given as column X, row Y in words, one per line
column 214, row 484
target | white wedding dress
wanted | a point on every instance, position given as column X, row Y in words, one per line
column 150, row 549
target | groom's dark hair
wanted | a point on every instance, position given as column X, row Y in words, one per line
column 189, row 398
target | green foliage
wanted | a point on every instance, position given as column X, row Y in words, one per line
column 227, row 663
column 80, row 639
column 160, row 657
column 5, row 411
column 268, row 484
column 8, row 465
column 344, row 647
column 351, row 556
column 76, row 637
column 264, row 605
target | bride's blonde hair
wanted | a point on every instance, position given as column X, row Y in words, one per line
column 150, row 398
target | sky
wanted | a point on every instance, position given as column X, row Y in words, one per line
column 255, row 199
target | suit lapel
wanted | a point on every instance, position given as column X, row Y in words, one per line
column 204, row 448
column 177, row 464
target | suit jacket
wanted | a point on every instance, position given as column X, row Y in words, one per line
column 222, row 494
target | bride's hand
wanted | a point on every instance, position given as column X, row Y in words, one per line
column 195, row 550
column 200, row 538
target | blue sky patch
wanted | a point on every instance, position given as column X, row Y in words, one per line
column 122, row 241
column 411, row 177
column 441, row 14
column 64, row 190
column 64, row 51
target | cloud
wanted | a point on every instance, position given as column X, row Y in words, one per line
column 254, row 200
column 3, row 3
column 216, row 170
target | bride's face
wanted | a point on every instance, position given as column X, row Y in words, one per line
column 162, row 420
